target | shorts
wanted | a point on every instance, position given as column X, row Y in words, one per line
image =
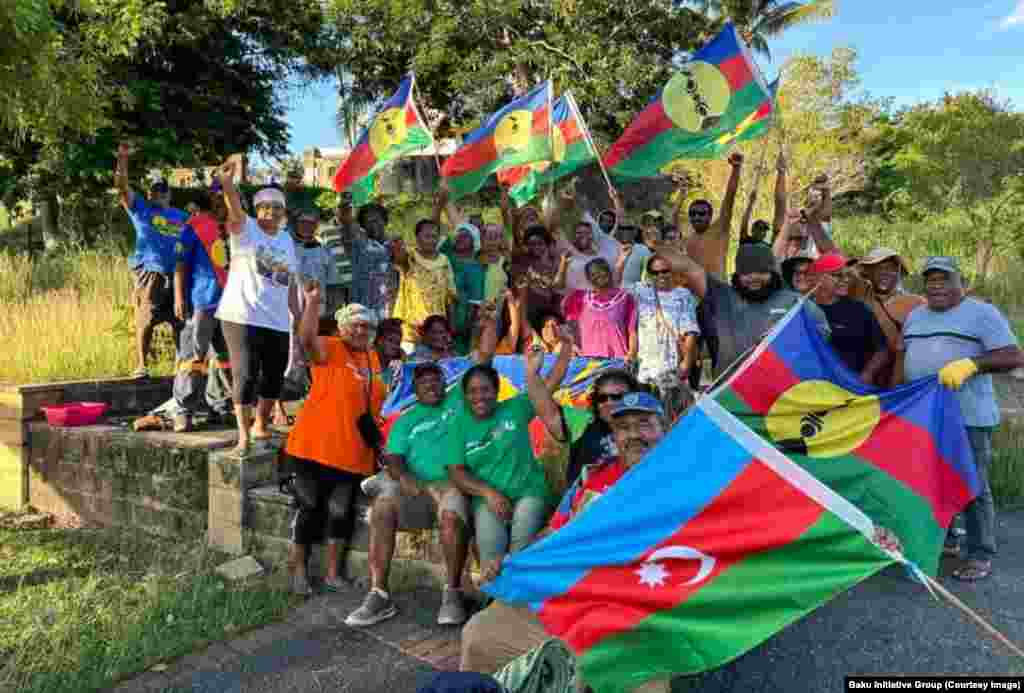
column 153, row 297
column 440, row 495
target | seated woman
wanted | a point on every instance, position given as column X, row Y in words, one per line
column 491, row 460
column 330, row 445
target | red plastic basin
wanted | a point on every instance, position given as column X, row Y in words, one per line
column 75, row 413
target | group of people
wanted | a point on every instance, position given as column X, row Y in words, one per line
column 257, row 295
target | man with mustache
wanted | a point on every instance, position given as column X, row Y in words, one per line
column 708, row 245
column 501, row 632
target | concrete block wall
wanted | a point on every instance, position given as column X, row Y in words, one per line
column 105, row 475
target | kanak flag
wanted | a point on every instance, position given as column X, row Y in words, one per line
column 396, row 130
column 516, row 135
column 710, row 96
column 572, row 148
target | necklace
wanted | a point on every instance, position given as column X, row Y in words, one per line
column 592, row 300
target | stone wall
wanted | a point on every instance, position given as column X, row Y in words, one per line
column 20, row 405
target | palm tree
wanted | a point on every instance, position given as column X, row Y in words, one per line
column 353, row 110
column 757, row 20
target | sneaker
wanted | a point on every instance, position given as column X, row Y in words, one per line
column 452, row 612
column 300, row 586
column 376, row 607
column 182, row 423
column 370, row 486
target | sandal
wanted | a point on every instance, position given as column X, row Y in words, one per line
column 974, row 570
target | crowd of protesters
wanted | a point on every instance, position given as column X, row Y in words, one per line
column 277, row 303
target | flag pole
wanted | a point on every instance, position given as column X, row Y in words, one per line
column 430, row 131
column 590, row 140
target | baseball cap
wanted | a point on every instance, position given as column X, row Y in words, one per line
column 652, row 213
column 940, row 262
column 160, row 186
column 829, row 262
column 638, row 402
column 878, row 255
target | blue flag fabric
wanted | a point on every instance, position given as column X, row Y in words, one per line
column 512, row 369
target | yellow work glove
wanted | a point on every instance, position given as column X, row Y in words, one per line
column 955, row 373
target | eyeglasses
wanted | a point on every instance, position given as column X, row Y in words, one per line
column 602, row 397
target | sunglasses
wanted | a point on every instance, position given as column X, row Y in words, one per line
column 798, row 239
column 658, row 273
column 602, row 397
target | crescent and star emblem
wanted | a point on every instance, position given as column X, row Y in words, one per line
column 653, row 574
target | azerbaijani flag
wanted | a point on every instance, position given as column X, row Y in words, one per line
column 518, row 134
column 902, row 456
column 573, row 148
column 710, row 97
column 709, row 546
column 396, row 130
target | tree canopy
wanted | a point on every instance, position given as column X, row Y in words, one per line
column 470, row 55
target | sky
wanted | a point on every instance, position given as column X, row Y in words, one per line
column 910, row 50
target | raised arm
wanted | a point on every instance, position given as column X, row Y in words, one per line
column 779, row 218
column 817, row 213
column 236, row 214
column 124, row 192
column 696, row 277
column 488, row 343
column 540, row 394
column 682, row 223
column 729, row 201
column 309, row 323
column 554, row 379
column 747, row 213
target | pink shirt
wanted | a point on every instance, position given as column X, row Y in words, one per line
column 605, row 319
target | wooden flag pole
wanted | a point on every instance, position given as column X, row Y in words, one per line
column 430, row 131
column 982, row 623
column 590, row 140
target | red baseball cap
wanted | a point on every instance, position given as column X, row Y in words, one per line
column 829, row 262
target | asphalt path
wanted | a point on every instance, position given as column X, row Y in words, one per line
column 887, row 625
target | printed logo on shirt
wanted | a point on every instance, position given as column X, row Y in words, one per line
column 164, row 226
column 491, row 437
column 271, row 264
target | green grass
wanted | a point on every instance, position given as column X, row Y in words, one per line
column 82, row 609
column 70, row 316
column 1007, row 474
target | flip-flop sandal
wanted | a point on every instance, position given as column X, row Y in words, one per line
column 974, row 571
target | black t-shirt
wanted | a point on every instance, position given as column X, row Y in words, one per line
column 856, row 334
column 596, row 442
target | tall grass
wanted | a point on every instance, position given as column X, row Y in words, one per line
column 70, row 316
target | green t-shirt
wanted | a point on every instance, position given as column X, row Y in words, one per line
column 497, row 450
column 421, row 434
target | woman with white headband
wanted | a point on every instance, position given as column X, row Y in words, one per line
column 336, row 438
column 254, row 311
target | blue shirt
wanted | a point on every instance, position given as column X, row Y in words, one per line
column 157, row 230
column 204, row 288
column 935, row 338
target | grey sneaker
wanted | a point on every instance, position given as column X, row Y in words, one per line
column 453, row 611
column 376, row 607
column 182, row 423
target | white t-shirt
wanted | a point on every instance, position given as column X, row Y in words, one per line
column 262, row 267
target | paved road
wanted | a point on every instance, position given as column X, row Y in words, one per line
column 887, row 625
